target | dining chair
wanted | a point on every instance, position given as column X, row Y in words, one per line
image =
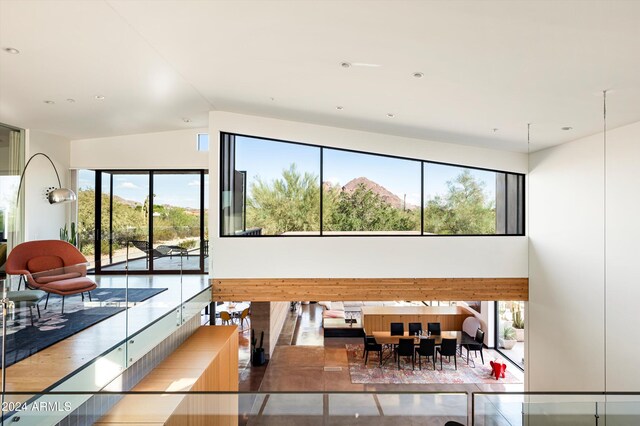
column 370, row 345
column 476, row 346
column 244, row 316
column 427, row 349
column 225, row 317
column 414, row 327
column 434, row 328
column 448, row 348
column 406, row 348
column 397, row 329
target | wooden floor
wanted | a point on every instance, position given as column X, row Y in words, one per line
column 47, row 367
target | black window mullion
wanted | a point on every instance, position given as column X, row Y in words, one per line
column 202, row 224
column 97, row 231
column 422, row 198
column 110, row 218
column 151, row 267
column 321, row 190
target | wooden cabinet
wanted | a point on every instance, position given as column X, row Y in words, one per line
column 207, row 361
column 379, row 318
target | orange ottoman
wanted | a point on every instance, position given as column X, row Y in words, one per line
column 69, row 287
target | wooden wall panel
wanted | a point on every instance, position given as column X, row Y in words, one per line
column 369, row 289
column 373, row 323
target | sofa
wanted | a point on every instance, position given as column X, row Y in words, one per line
column 53, row 266
column 340, row 309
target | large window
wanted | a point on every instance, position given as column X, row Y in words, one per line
column 510, row 330
column 270, row 188
column 459, row 200
column 143, row 221
column 276, row 188
column 370, row 193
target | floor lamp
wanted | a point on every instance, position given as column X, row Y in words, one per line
column 56, row 196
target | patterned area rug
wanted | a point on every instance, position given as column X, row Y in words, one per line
column 24, row 339
column 389, row 373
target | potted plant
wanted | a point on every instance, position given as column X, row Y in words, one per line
column 508, row 338
column 518, row 325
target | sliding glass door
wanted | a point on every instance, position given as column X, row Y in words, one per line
column 149, row 221
column 126, row 227
column 177, row 221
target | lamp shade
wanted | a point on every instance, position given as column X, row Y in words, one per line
column 61, row 195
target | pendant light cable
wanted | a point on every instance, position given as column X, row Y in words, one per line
column 604, row 227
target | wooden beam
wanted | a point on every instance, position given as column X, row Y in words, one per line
column 371, row 289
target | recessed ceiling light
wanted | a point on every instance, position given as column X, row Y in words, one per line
column 11, row 50
column 339, row 108
column 418, row 74
column 390, row 115
column 71, row 100
column 186, row 120
column 345, row 65
column 567, row 128
column 99, row 98
column 49, row 102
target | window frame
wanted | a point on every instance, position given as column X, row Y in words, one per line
column 522, row 196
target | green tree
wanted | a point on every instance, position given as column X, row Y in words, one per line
column 465, row 209
column 291, row 203
column 364, row 210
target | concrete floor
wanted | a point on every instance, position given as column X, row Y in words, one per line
column 310, row 366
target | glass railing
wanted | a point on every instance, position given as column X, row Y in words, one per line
column 328, row 408
column 560, row 408
column 210, row 408
column 69, row 331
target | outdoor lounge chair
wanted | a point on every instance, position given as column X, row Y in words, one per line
column 160, row 251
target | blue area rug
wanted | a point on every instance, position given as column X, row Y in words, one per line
column 24, row 339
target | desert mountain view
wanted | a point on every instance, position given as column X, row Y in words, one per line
column 386, row 195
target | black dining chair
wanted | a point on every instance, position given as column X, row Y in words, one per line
column 477, row 345
column 427, row 348
column 448, row 348
column 406, row 348
column 370, row 345
column 434, row 328
column 414, row 327
column 397, row 329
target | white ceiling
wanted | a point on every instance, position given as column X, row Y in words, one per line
column 486, row 65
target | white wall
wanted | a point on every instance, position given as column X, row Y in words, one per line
column 278, row 316
column 164, row 150
column 622, row 254
column 357, row 256
column 44, row 220
column 579, row 322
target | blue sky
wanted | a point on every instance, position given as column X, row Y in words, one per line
column 267, row 159
column 181, row 190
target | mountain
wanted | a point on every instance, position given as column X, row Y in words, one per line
column 386, row 195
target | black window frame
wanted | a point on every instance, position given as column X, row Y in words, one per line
column 98, row 220
column 521, row 177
